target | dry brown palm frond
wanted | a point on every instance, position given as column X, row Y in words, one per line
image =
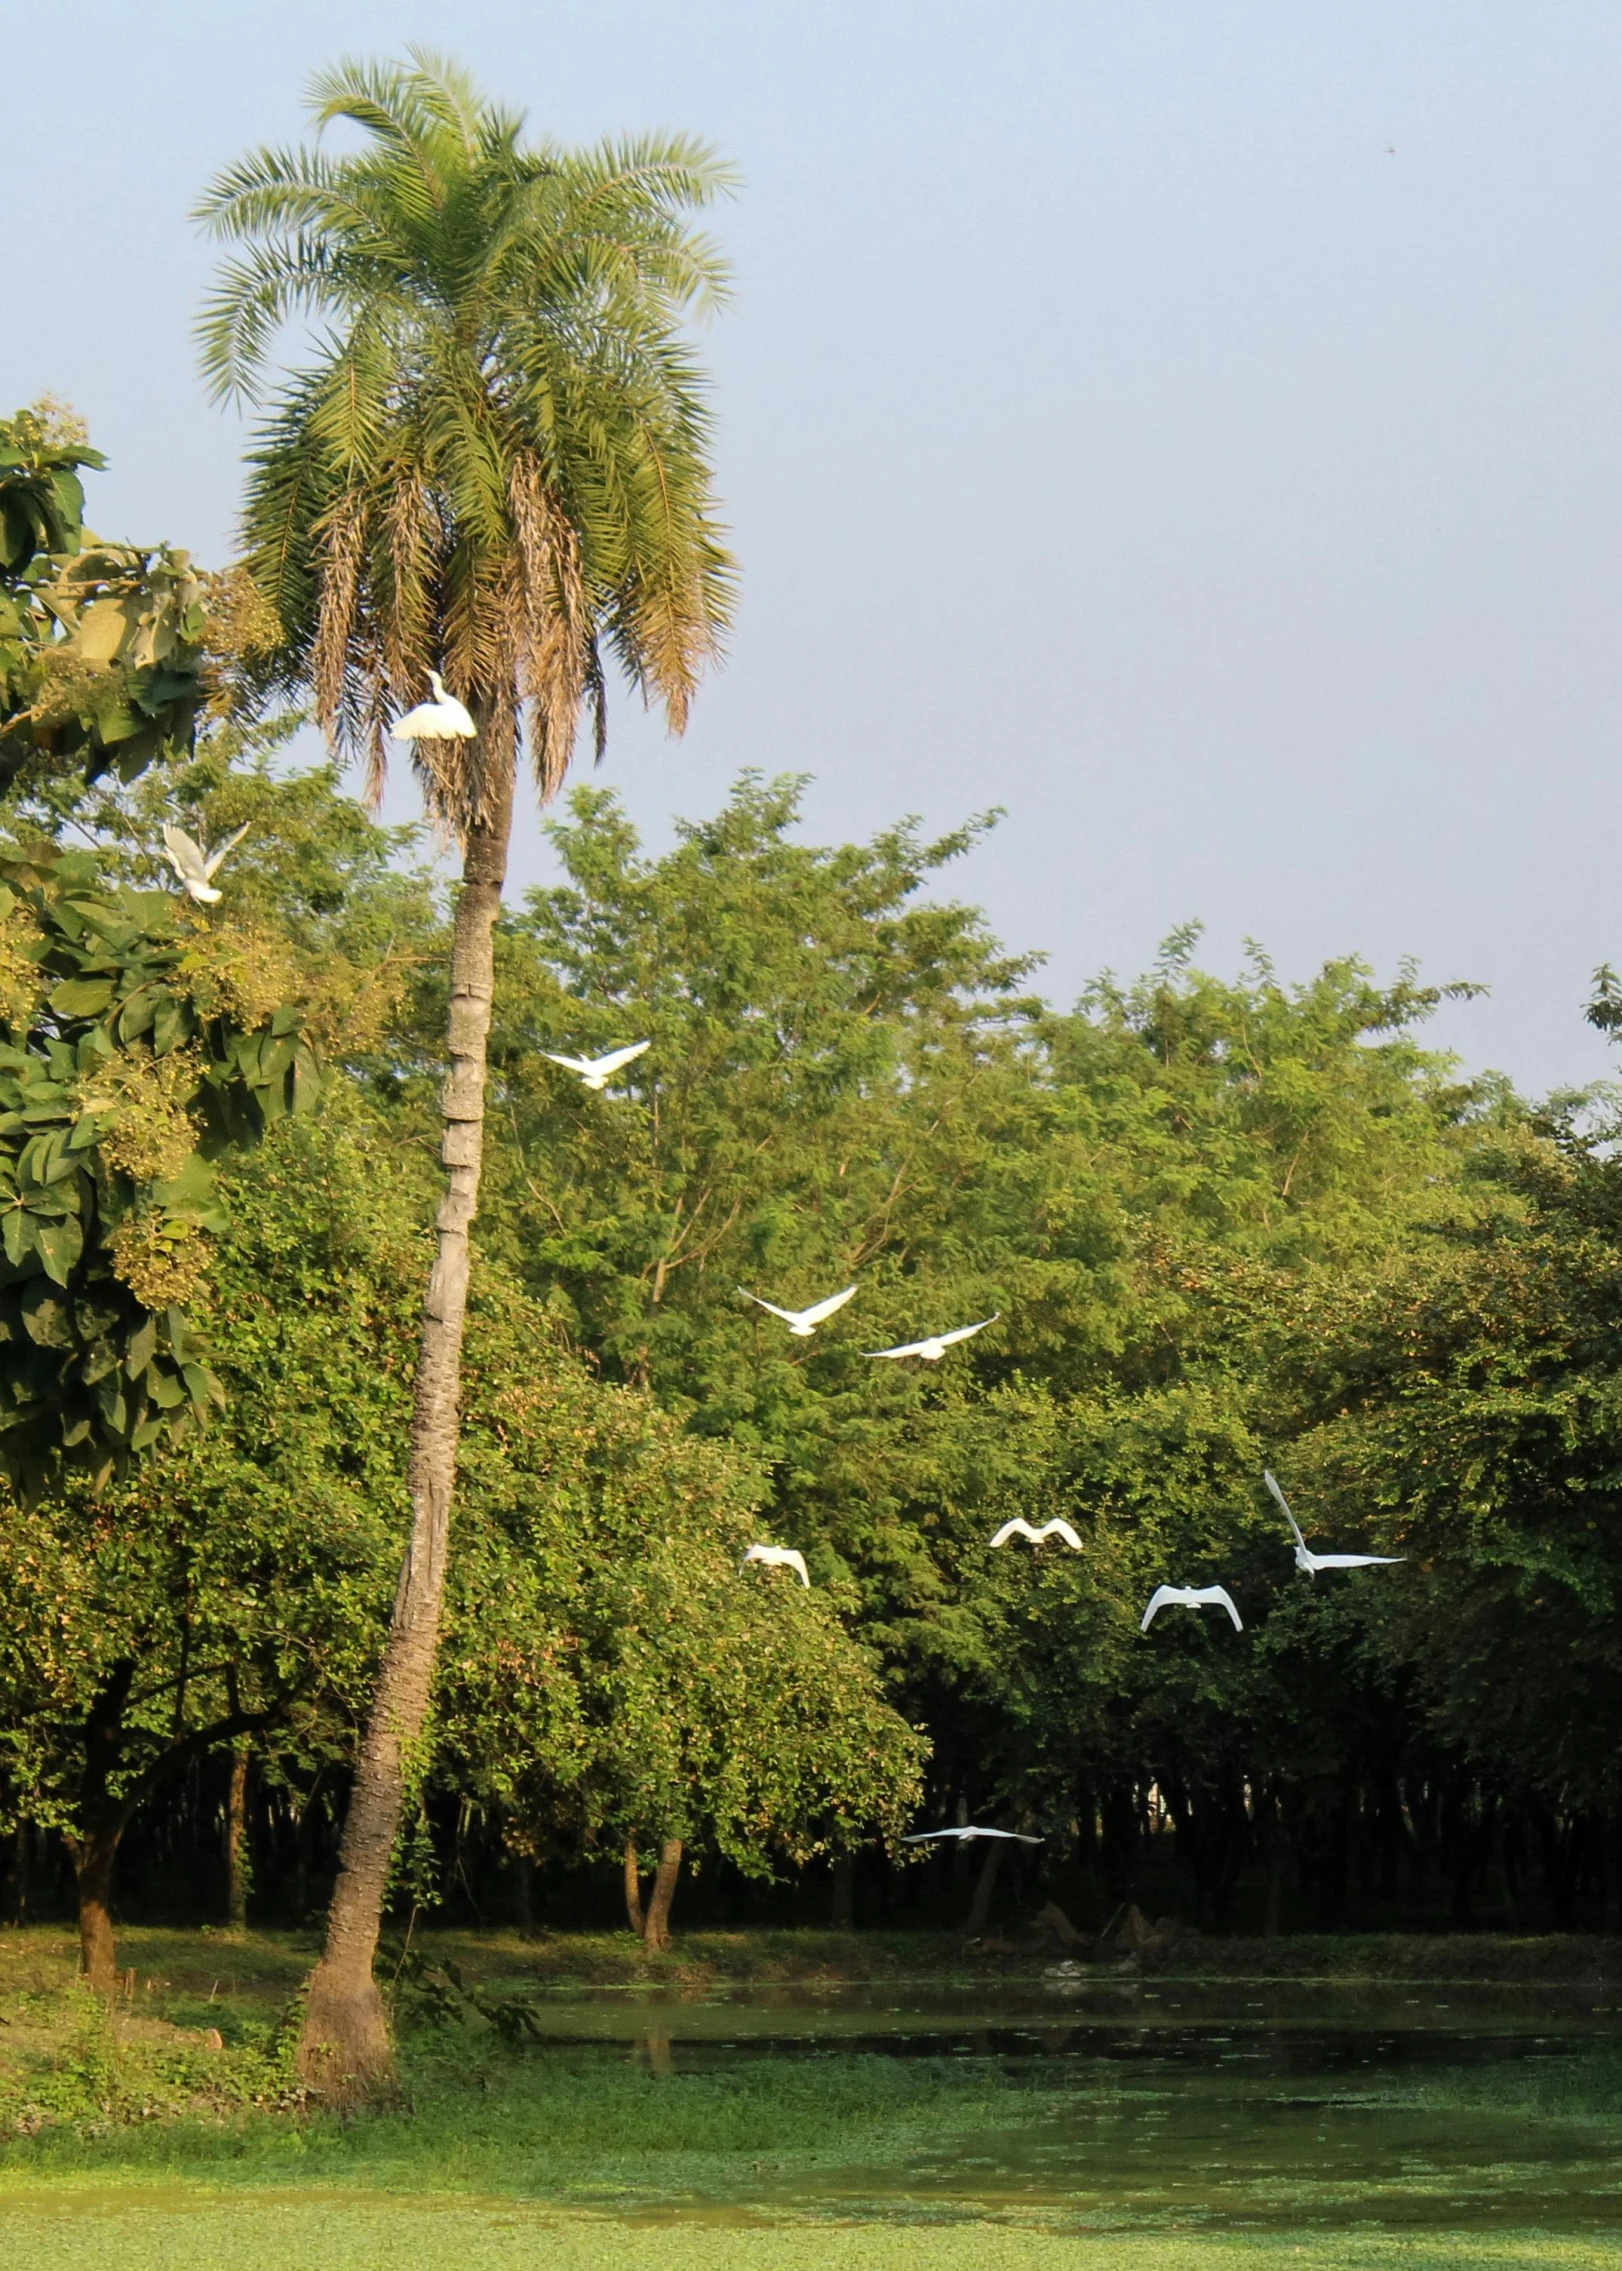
column 413, row 535
column 332, row 664
column 558, row 666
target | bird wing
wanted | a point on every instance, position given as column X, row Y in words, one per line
column 575, row 1064
column 928, row 1836
column 1061, row 1529
column 1017, row 1528
column 618, row 1057
column 1357, row 1560
column 1220, row 1597
column 907, row 1348
column 185, row 856
column 815, row 1314
column 967, row 1332
column 1163, row 1596
column 789, row 1316
column 795, row 1560
column 214, row 859
column 1272, row 1484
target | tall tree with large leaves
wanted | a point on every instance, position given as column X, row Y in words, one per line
column 497, row 465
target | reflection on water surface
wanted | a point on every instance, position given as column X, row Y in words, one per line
column 1118, row 2105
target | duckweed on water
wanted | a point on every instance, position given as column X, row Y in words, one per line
column 1152, row 2132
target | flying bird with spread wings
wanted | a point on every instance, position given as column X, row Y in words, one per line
column 968, row 1835
column 597, row 1072
column 1190, row 1597
column 442, row 719
column 1312, row 1562
column 802, row 1323
column 933, row 1349
column 195, row 867
column 1020, row 1528
column 777, row 1557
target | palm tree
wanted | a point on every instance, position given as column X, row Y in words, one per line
column 495, row 465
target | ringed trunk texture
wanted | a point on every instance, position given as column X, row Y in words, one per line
column 633, row 1892
column 344, row 2050
column 656, row 1931
column 236, row 1843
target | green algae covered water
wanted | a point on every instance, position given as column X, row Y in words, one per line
column 1066, row 2119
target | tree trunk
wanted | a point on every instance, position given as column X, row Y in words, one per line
column 21, row 1855
column 94, row 1847
column 95, row 1851
column 633, row 1891
column 985, row 1888
column 844, row 1906
column 303, row 1841
column 344, row 2048
column 524, row 1893
column 656, row 1931
column 236, row 1843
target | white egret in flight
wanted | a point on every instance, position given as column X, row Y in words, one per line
column 778, row 1557
column 193, row 866
column 932, row 1836
column 1020, row 1528
column 597, row 1072
column 802, row 1323
column 1190, row 1597
column 933, row 1349
column 1312, row 1562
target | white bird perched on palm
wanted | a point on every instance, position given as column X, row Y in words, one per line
column 194, row 867
column 442, row 719
column 968, row 1834
column 1312, row 1562
column 1020, row 1528
column 597, row 1072
column 802, row 1323
column 936, row 1346
column 1190, row 1597
column 778, row 1557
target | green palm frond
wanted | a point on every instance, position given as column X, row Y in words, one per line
column 497, row 462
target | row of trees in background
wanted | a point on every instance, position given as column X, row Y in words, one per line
column 1227, row 1225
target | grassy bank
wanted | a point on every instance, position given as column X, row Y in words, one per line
column 165, row 2130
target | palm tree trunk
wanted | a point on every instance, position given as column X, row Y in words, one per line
column 344, row 2050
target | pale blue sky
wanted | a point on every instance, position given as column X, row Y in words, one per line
column 1196, row 427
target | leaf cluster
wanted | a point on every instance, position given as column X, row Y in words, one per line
column 133, row 1056
column 102, row 646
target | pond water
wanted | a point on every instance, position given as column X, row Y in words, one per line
column 1076, row 2104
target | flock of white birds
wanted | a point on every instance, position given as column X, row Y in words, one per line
column 445, row 719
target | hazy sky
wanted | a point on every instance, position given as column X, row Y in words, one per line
column 1197, row 428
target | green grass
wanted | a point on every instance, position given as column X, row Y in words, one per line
column 274, row 2233
column 1112, row 2143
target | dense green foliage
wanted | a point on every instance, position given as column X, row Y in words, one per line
column 102, row 646
column 140, row 1044
column 1223, row 1224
